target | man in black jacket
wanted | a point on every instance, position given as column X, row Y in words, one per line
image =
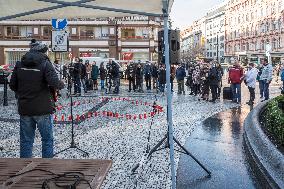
column 31, row 81
column 213, row 82
column 130, row 72
column 77, row 69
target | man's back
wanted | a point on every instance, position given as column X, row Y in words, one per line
column 30, row 80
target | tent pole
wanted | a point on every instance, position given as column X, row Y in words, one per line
column 169, row 98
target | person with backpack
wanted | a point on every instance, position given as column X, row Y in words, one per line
column 31, row 81
column 236, row 74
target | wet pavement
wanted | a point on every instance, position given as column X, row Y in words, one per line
column 218, row 144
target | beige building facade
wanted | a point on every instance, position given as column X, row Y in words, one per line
column 250, row 26
column 131, row 38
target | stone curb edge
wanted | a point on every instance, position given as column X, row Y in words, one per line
column 264, row 156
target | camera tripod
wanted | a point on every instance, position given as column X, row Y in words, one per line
column 72, row 144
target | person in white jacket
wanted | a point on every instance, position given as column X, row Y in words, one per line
column 250, row 80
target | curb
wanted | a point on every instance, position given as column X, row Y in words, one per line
column 264, row 158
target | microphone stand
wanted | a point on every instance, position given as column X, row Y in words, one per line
column 72, row 144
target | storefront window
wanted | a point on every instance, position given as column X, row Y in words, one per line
column 87, row 32
column 26, row 31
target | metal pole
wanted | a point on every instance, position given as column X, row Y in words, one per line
column 169, row 97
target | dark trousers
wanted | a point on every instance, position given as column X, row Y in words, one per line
column 214, row 89
column 139, row 84
column 148, row 82
column 131, row 82
column 261, row 91
column 172, row 84
column 252, row 94
column 266, row 90
column 77, row 85
column 181, row 86
column 196, row 89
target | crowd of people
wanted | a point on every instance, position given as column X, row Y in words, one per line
column 201, row 79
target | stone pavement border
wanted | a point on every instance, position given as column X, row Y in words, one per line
column 265, row 158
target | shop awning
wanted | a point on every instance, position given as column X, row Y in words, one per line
column 48, row 9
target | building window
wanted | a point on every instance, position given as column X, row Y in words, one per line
column 87, row 32
column 128, row 33
column 46, row 32
column 279, row 43
column 262, row 45
column 13, row 31
column 274, row 44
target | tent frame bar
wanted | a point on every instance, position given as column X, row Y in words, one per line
column 80, row 3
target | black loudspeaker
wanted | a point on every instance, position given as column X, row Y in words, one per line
column 174, row 44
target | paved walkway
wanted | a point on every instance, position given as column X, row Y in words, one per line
column 218, row 144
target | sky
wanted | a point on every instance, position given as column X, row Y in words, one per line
column 184, row 12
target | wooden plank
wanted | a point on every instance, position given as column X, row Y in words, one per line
column 94, row 171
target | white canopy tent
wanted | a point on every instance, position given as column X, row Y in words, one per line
column 48, row 9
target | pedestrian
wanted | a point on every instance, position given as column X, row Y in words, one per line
column 102, row 75
column 155, row 75
column 65, row 68
column 220, row 76
column 250, row 80
column 77, row 77
column 213, row 82
column 114, row 70
column 130, row 73
column 282, row 77
column 57, row 68
column 189, row 80
column 172, row 77
column 162, row 78
column 84, row 75
column 266, row 77
column 88, row 69
column 180, row 75
column 139, row 77
column 95, row 75
column 260, row 68
column 31, row 80
column 236, row 74
column 196, row 80
column 205, row 82
column 148, row 74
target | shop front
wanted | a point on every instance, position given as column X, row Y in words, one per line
column 94, row 52
column 135, row 54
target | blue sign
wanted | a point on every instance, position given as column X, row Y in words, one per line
column 59, row 24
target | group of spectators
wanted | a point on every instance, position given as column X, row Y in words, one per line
column 85, row 75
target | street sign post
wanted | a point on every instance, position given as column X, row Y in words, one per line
column 268, row 51
column 59, row 41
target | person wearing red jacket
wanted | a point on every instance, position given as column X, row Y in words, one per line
column 236, row 75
